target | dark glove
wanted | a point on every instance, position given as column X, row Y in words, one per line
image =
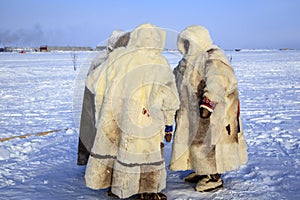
column 204, row 113
column 168, row 133
column 228, row 129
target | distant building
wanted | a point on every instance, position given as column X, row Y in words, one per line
column 63, row 48
column 100, row 48
column 8, row 49
column 46, row 48
column 43, row 48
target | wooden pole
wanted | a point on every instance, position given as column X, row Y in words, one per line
column 31, row 134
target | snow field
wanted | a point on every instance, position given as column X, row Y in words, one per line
column 41, row 92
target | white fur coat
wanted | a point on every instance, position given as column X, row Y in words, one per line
column 206, row 145
column 136, row 97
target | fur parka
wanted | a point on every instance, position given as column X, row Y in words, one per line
column 205, row 78
column 136, row 98
column 87, row 130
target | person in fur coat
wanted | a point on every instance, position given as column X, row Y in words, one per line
column 136, row 102
column 87, row 129
column 208, row 138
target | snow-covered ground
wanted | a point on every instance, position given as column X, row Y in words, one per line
column 41, row 92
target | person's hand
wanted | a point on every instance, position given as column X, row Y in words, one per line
column 204, row 113
column 168, row 133
column 168, row 136
column 207, row 107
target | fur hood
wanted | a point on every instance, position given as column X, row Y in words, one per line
column 147, row 36
column 198, row 38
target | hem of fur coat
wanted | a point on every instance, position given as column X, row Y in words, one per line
column 129, row 181
column 223, row 171
column 180, row 159
column 201, row 172
column 204, row 167
column 98, row 173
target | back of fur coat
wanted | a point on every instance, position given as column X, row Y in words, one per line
column 138, row 97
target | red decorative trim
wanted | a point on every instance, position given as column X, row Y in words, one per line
column 208, row 103
column 145, row 112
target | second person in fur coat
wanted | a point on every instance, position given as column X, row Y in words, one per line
column 208, row 137
column 87, row 131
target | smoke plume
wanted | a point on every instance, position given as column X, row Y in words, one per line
column 23, row 37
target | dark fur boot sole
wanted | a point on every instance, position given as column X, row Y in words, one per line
column 209, row 185
column 194, row 178
column 152, row 196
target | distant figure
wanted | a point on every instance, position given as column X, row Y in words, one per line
column 74, row 60
column 208, row 138
column 87, row 130
column 137, row 99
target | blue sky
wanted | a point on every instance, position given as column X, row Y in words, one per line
column 232, row 23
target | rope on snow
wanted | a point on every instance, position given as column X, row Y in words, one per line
column 31, row 134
